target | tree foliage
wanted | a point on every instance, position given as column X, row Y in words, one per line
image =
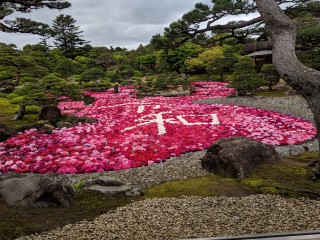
column 66, row 34
column 270, row 74
column 245, row 78
column 24, row 25
column 203, row 23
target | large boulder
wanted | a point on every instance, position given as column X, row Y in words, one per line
column 36, row 190
column 6, row 132
column 50, row 113
column 237, row 157
column 111, row 186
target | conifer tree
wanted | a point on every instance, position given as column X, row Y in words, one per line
column 67, row 35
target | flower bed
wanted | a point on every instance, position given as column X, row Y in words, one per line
column 133, row 132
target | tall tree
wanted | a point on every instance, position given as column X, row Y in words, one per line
column 283, row 32
column 303, row 79
column 24, row 25
column 66, row 34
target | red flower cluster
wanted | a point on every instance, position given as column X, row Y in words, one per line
column 132, row 132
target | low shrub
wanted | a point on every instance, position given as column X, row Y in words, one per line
column 16, row 100
column 12, row 95
column 33, row 109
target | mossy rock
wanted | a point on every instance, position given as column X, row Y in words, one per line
column 211, row 185
column 291, row 177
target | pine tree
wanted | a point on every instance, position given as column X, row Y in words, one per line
column 67, row 35
column 245, row 78
column 25, row 25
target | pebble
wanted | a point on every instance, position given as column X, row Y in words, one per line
column 193, row 216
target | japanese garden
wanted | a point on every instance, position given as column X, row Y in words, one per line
column 209, row 130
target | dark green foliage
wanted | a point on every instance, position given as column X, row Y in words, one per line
column 126, row 71
column 310, row 58
column 147, row 61
column 270, row 74
column 33, row 110
column 203, row 18
column 160, row 82
column 114, row 76
column 66, row 67
column 25, row 25
column 47, row 91
column 17, row 64
column 245, row 78
column 67, row 35
column 92, row 74
column 225, row 63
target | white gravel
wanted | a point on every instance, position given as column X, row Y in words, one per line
column 191, row 217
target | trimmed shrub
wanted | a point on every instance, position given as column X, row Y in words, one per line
column 28, row 79
column 12, row 95
column 16, row 100
column 33, row 109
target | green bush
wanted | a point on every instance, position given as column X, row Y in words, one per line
column 270, row 74
column 245, row 78
column 33, row 109
column 12, row 95
column 16, row 100
column 3, row 95
column 28, row 79
column 88, row 85
column 76, row 77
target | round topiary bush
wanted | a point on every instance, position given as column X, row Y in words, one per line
column 17, row 100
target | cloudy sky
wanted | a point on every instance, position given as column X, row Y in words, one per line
column 123, row 23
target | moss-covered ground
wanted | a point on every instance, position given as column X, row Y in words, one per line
column 8, row 111
column 290, row 178
column 274, row 93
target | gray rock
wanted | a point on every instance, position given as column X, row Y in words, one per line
column 64, row 124
column 291, row 150
column 105, row 181
column 237, row 157
column 50, row 113
column 6, row 132
column 291, row 92
column 36, row 190
column 111, row 186
column 47, row 127
column 110, row 190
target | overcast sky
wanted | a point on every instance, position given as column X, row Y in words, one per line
column 117, row 23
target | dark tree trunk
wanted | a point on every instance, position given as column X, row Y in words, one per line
column 21, row 113
column 221, row 77
column 116, row 88
column 304, row 80
column 270, row 86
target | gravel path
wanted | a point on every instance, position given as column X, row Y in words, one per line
column 191, row 217
column 294, row 105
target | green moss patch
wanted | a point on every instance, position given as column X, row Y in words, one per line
column 291, row 177
column 211, row 185
column 274, row 93
column 8, row 111
column 20, row 221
